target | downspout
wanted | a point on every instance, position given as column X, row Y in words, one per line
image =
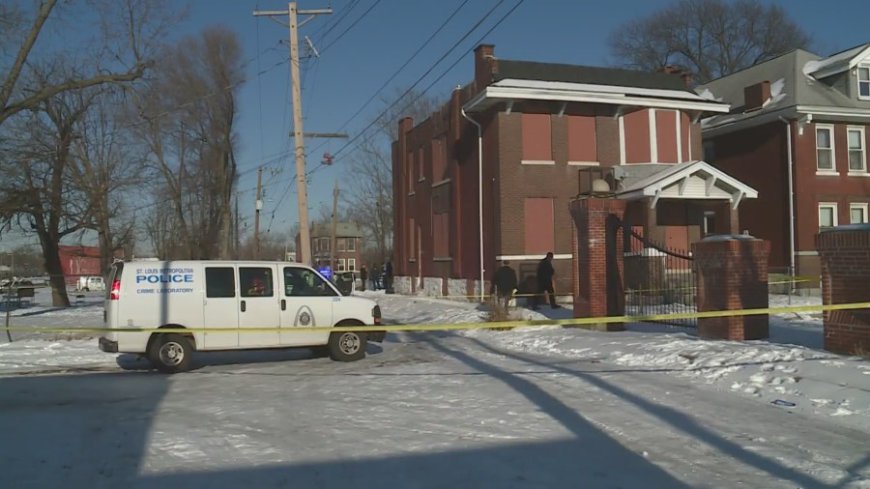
column 479, row 193
column 791, row 266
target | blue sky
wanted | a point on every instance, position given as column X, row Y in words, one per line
column 350, row 69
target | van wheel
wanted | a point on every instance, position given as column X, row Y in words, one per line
column 347, row 346
column 171, row 353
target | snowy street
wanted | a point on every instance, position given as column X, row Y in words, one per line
column 537, row 407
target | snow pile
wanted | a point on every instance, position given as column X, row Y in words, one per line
column 776, row 92
column 708, row 95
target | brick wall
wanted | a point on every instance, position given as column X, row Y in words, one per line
column 732, row 275
column 757, row 158
column 845, row 260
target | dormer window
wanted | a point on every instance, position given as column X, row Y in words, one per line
column 864, row 82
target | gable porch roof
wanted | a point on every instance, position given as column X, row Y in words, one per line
column 689, row 180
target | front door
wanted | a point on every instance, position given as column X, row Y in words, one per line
column 258, row 306
column 220, row 308
column 307, row 301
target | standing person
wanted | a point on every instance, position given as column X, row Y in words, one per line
column 545, row 282
column 363, row 276
column 376, row 277
column 388, row 277
column 504, row 282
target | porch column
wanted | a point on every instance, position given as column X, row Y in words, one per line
column 651, row 230
column 731, row 274
column 598, row 260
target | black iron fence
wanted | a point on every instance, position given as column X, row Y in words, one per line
column 658, row 279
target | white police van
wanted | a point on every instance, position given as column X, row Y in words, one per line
column 230, row 295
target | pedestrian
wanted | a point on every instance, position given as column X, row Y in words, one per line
column 363, row 276
column 545, row 276
column 504, row 282
column 388, row 277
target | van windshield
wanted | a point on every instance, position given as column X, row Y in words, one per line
column 114, row 274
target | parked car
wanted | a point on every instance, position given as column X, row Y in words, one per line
column 233, row 296
column 90, row 283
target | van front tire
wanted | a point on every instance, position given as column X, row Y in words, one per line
column 347, row 346
column 171, row 353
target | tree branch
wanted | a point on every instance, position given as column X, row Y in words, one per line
column 23, row 53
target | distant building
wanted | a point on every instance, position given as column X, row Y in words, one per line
column 348, row 246
column 77, row 261
column 798, row 116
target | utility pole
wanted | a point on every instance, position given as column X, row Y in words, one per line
column 301, row 191
column 258, row 206
column 236, row 236
column 334, row 226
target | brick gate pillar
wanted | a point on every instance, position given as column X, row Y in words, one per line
column 845, row 257
column 598, row 268
column 731, row 274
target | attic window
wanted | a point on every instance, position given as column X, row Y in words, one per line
column 864, row 82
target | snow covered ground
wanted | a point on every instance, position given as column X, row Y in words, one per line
column 534, row 407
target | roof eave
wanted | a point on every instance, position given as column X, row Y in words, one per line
column 513, row 93
column 756, row 120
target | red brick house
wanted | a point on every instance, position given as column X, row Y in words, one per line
column 798, row 133
column 348, row 246
column 545, row 133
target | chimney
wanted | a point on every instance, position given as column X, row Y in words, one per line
column 484, row 65
column 683, row 73
column 754, row 96
column 688, row 79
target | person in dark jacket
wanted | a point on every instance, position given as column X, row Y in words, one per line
column 363, row 277
column 545, row 276
column 388, row 277
column 504, row 282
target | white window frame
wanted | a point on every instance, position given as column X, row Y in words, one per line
column 861, row 207
column 351, row 264
column 832, row 149
column 863, row 139
column 340, row 264
column 859, row 81
column 828, row 205
column 350, row 244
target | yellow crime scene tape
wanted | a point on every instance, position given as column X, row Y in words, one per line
column 465, row 326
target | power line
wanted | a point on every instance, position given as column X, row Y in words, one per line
column 332, row 25
column 403, row 66
column 424, row 75
column 357, row 21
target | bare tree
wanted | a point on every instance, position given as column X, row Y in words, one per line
column 45, row 94
column 189, row 112
column 273, row 246
column 106, row 171
column 35, row 193
column 710, row 38
column 369, row 200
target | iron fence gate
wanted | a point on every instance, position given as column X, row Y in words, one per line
column 658, row 279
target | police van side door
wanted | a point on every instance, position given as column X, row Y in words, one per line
column 258, row 305
column 220, row 308
column 306, row 301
